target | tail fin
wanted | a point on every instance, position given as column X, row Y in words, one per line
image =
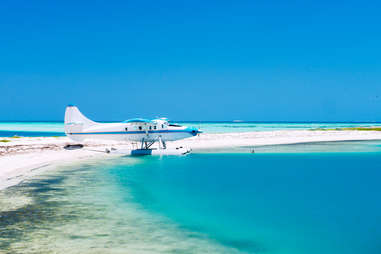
column 75, row 121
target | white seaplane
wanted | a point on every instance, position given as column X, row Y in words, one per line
column 146, row 132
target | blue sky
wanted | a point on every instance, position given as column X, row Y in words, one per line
column 191, row 60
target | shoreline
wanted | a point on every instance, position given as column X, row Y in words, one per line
column 23, row 157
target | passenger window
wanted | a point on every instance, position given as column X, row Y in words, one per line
column 126, row 129
column 162, row 126
column 150, row 127
column 140, row 127
column 154, row 127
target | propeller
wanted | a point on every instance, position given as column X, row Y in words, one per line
column 199, row 129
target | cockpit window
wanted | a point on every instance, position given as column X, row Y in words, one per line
column 174, row 125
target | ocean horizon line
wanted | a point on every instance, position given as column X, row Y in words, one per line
column 197, row 121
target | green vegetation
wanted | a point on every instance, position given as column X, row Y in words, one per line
column 318, row 129
column 5, row 140
column 363, row 129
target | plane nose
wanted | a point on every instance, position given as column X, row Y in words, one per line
column 194, row 131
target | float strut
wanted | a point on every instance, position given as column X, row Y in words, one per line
column 142, row 146
column 162, row 144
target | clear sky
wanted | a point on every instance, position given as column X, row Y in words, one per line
column 191, row 60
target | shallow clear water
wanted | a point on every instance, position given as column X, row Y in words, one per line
column 57, row 127
column 32, row 129
column 280, row 202
column 224, row 127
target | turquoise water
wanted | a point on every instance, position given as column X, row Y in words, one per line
column 224, row 127
column 31, row 129
column 27, row 129
column 271, row 202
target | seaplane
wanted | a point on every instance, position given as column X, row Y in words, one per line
column 144, row 133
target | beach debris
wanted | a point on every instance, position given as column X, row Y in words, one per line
column 73, row 147
column 12, row 149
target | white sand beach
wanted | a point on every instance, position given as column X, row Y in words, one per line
column 26, row 156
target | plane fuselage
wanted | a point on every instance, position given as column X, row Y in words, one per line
column 134, row 132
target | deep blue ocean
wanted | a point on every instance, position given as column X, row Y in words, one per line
column 283, row 202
